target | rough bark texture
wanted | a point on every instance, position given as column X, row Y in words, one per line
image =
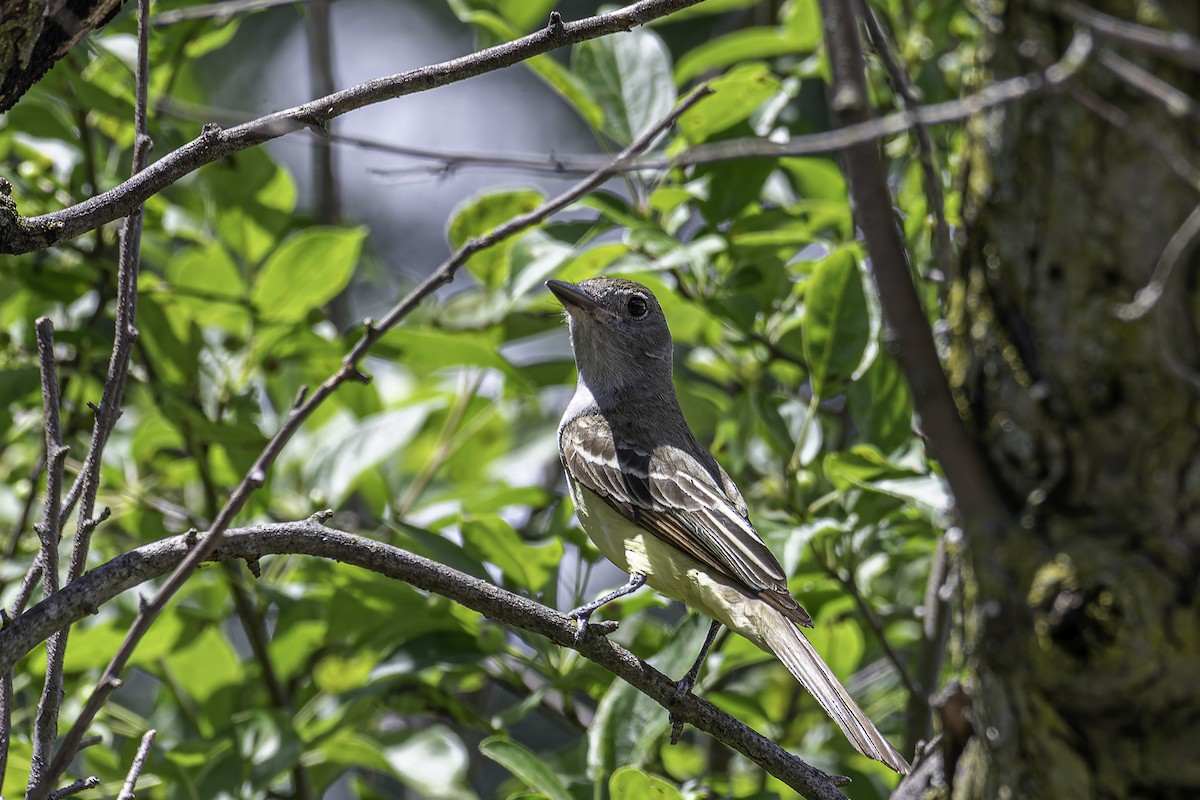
column 1083, row 625
column 36, row 33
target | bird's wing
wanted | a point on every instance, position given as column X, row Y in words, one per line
column 675, row 497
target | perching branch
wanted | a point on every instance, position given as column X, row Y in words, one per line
column 976, row 495
column 307, row 403
column 131, row 569
column 24, row 235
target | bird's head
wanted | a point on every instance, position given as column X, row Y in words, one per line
column 618, row 332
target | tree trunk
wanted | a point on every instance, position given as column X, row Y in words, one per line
column 1083, row 623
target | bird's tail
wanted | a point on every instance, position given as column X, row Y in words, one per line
column 791, row 647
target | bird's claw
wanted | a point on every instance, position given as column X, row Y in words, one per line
column 604, row 627
column 683, row 687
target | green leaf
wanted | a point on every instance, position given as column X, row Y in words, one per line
column 308, row 270
column 630, row 76
column 836, row 322
column 205, row 665
column 336, row 673
column 628, row 725
column 839, row 638
column 482, row 214
column 433, row 351
column 568, row 86
column 817, row 178
column 208, row 283
column 526, row 765
column 630, row 783
column 494, row 540
column 735, row 97
column 433, row 763
column 350, row 448
column 744, row 45
column 881, row 406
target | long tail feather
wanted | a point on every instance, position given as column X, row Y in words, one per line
column 791, row 647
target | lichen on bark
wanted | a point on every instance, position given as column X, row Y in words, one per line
column 1085, row 652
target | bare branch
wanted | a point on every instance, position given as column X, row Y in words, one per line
column 1166, row 275
column 221, row 12
column 977, row 497
column 903, row 86
column 865, row 129
column 309, row 537
column 848, row 583
column 349, row 371
column 87, row 482
column 1177, row 102
column 14, row 536
column 139, row 763
column 21, row 235
column 1178, row 46
column 75, row 788
column 45, row 727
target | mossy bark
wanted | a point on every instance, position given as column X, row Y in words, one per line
column 1083, row 622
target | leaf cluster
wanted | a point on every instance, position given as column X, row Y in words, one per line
column 319, row 675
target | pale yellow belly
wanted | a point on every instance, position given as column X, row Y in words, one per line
column 668, row 570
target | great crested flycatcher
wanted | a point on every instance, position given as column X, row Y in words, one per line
column 659, row 506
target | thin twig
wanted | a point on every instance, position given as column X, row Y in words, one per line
column 1178, row 161
column 903, row 86
column 139, row 763
column 14, row 536
column 864, row 129
column 6, row 701
column 444, row 447
column 45, row 726
column 75, row 788
column 104, row 582
column 976, row 495
column 1178, row 246
column 445, row 161
column 1177, row 102
column 87, row 482
column 221, row 12
column 23, row 235
column 349, row 371
column 935, row 630
column 1176, row 45
column 868, row 613
column 1177, row 249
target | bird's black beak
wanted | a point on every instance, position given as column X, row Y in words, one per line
column 575, row 299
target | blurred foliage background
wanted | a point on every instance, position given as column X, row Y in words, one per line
column 318, row 680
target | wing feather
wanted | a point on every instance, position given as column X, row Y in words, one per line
column 678, row 499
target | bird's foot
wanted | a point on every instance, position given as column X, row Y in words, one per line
column 583, row 616
column 683, row 687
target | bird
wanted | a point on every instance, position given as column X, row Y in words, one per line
column 659, row 506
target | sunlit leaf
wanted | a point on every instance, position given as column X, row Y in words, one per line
column 630, row 76
column 526, row 765
column 736, row 95
column 630, row 783
column 836, row 322
column 744, row 45
column 481, row 215
column 306, row 271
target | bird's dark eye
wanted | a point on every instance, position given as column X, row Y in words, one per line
column 637, row 307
